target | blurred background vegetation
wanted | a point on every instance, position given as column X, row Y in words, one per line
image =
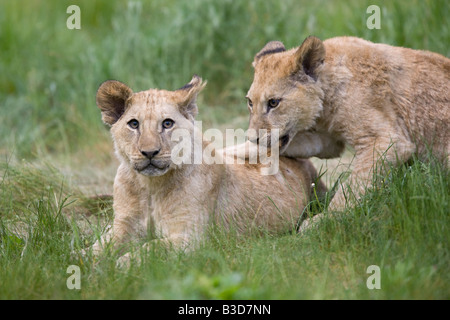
column 49, row 74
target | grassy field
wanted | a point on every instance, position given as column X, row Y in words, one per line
column 55, row 153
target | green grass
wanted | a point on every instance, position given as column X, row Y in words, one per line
column 401, row 226
column 55, row 153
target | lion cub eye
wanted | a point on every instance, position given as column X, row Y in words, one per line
column 168, row 123
column 133, row 124
column 273, row 103
column 250, row 103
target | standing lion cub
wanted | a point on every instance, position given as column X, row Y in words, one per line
column 176, row 203
column 387, row 102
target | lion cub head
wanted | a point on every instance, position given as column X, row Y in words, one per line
column 285, row 93
column 142, row 123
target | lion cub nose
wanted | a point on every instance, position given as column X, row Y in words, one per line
column 150, row 154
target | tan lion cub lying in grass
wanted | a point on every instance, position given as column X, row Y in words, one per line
column 388, row 103
column 177, row 202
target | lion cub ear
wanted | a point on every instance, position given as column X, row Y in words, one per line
column 111, row 98
column 269, row 48
column 309, row 56
column 187, row 97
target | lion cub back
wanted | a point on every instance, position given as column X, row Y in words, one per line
column 274, row 203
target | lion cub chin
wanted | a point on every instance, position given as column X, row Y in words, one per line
column 176, row 203
column 388, row 103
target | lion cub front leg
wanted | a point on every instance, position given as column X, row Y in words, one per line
column 355, row 185
column 371, row 161
column 314, row 144
column 175, row 242
column 178, row 235
column 129, row 214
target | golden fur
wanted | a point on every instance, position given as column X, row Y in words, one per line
column 176, row 203
column 386, row 102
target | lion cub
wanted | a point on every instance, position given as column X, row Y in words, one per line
column 387, row 102
column 176, row 203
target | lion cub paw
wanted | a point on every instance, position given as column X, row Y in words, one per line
column 310, row 223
